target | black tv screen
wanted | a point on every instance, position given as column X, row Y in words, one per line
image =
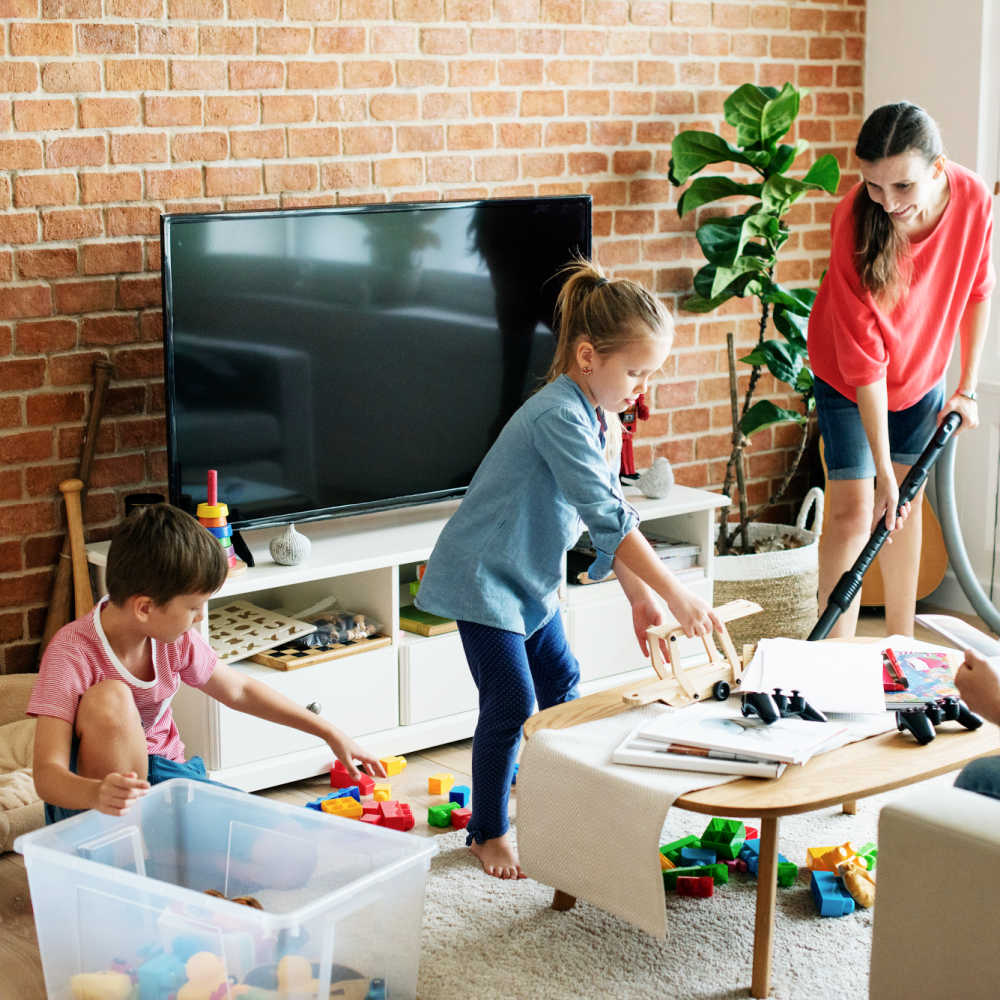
column 336, row 360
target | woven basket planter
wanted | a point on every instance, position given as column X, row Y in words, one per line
column 783, row 583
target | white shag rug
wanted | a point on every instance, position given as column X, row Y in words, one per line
column 493, row 940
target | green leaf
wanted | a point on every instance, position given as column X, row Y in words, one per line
column 797, row 300
column 743, row 266
column 792, row 326
column 784, row 157
column 708, row 189
column 759, row 225
column 804, row 384
column 693, row 150
column 780, row 193
column 824, row 173
column 782, row 360
column 765, row 414
column 761, row 115
column 722, row 241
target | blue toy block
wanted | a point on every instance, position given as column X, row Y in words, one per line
column 353, row 790
column 750, row 853
column 698, row 855
column 513, row 780
column 832, row 899
column 460, row 794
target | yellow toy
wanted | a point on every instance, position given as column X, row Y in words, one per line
column 206, row 974
column 346, row 805
column 826, row 859
column 858, row 881
column 100, row 986
column 382, row 791
column 440, row 783
column 678, row 685
column 393, row 765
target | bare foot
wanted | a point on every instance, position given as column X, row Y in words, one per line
column 497, row 857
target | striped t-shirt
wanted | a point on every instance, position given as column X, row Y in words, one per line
column 79, row 656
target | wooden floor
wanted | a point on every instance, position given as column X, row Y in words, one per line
column 19, row 958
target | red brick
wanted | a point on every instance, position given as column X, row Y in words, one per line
column 48, row 408
column 107, row 330
column 142, row 147
column 399, row 171
column 106, row 39
column 43, row 116
column 199, row 146
column 45, row 336
column 368, row 73
column 18, row 227
column 311, row 10
column 138, row 363
column 135, row 74
column 73, row 298
column 268, row 10
column 70, row 9
column 435, row 107
column 197, row 74
column 71, row 77
column 104, row 187
column 282, row 41
column 160, row 110
column 256, row 75
column 398, row 38
column 225, row 40
column 20, row 154
column 77, row 151
column 322, row 141
column 21, row 374
column 134, row 9
column 287, row 108
column 256, row 144
column 10, row 552
column 471, row 136
column 48, row 262
column 43, row 481
column 338, row 176
column 108, row 112
column 142, row 433
column 71, row 223
column 167, row 40
column 181, row 183
column 41, row 39
column 139, row 292
column 290, row 176
column 233, row 180
column 25, row 300
column 117, row 471
column 189, row 10
column 542, row 103
column 132, row 220
column 18, row 77
column 493, row 104
column 112, row 258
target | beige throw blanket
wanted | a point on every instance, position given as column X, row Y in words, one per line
column 592, row 828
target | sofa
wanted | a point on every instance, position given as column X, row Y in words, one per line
column 936, row 934
column 21, row 809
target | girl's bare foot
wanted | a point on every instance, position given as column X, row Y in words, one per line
column 497, row 857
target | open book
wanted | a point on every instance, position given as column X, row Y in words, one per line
column 928, row 674
column 646, row 753
column 961, row 633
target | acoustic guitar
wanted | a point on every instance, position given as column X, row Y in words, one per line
column 933, row 555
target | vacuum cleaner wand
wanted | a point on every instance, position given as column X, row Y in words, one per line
column 850, row 583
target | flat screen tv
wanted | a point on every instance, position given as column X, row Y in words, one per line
column 338, row 360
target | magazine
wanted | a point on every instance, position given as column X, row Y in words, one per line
column 646, row 753
column 927, row 676
column 791, row 741
column 961, row 633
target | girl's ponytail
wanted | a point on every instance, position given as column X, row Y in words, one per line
column 883, row 254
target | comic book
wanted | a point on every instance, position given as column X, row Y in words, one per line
column 927, row 676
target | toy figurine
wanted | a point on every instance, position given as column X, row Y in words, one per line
column 629, row 418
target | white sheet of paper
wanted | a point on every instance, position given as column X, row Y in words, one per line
column 831, row 676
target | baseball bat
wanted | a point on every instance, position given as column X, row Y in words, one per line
column 60, row 609
column 83, row 598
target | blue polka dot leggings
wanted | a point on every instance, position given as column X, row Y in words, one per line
column 511, row 672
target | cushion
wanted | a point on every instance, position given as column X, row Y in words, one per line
column 21, row 809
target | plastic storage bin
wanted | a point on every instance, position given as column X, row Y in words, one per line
column 341, row 901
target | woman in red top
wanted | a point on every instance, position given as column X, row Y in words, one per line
column 909, row 269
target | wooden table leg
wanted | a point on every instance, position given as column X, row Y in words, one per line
column 767, row 888
column 563, row 900
column 851, row 807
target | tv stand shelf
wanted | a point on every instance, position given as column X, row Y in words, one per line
column 416, row 692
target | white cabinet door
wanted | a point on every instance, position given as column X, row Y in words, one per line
column 434, row 679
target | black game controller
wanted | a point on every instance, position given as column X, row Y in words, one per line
column 771, row 707
column 922, row 721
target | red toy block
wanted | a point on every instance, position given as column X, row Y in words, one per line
column 339, row 778
column 375, row 820
column 741, row 865
column 371, row 809
column 460, row 818
column 752, row 833
column 700, row 886
column 397, row 815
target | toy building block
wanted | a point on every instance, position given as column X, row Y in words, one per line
column 673, row 849
column 725, row 837
column 832, row 899
column 373, row 819
column 858, row 881
column 339, row 778
column 698, row 886
column 382, row 791
column 813, row 854
column 788, row 872
column 752, row 833
column 834, row 856
column 213, row 516
column 346, row 805
column 440, row 783
column 665, row 863
column 460, row 794
column 397, row 815
column 353, row 791
column 698, row 855
column 392, row 765
column 869, row 854
column 741, row 865
column 718, row 872
column 440, row 815
column 371, row 808
column 460, row 817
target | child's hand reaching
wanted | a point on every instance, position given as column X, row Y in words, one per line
column 694, row 615
column 978, row 682
column 347, row 752
column 117, row 792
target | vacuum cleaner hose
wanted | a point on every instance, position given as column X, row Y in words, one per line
column 947, row 511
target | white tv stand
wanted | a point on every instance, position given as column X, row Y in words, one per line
column 417, row 692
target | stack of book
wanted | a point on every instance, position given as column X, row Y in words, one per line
column 690, row 740
column 914, row 677
column 681, row 558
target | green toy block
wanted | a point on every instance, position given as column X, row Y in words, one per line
column 440, row 815
column 718, row 871
column 869, row 854
column 672, row 851
column 788, row 872
column 725, row 837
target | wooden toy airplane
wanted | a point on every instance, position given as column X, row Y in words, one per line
column 679, row 685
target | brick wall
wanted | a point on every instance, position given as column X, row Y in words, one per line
column 113, row 111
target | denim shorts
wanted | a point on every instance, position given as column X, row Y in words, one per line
column 160, row 769
column 845, row 444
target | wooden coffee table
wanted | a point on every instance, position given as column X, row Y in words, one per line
column 840, row 777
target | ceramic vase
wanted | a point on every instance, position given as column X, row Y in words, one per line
column 290, row 547
column 658, row 480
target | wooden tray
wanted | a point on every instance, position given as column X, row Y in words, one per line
column 238, row 629
column 293, row 659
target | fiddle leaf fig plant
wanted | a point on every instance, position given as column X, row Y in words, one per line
column 741, row 251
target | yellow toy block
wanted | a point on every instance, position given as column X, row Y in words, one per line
column 834, row 856
column 382, row 791
column 813, row 854
column 665, row 863
column 346, row 805
column 392, row 765
column 440, row 783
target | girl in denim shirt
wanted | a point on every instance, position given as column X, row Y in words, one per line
column 497, row 565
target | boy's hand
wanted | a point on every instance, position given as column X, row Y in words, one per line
column 347, row 752
column 978, row 682
column 694, row 615
column 117, row 792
